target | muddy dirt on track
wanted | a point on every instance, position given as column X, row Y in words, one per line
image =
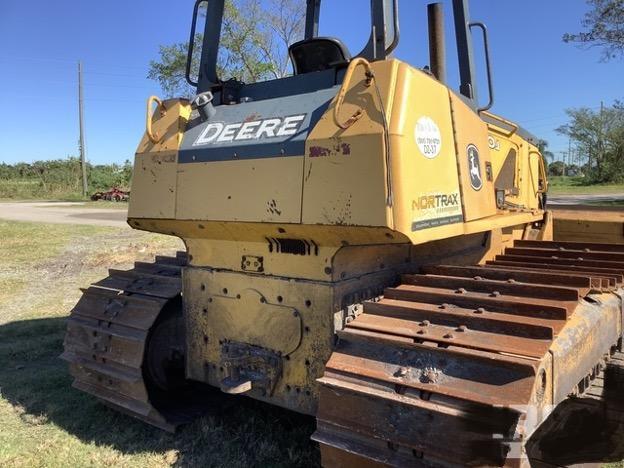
column 64, row 213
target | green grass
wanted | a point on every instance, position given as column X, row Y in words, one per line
column 26, row 189
column 578, row 186
column 46, row 423
column 24, row 246
column 610, row 203
column 28, row 244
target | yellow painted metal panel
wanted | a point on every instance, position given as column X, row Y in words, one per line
column 247, row 317
column 261, row 190
column 427, row 202
column 344, row 176
column 153, row 189
column 503, row 140
column 473, row 158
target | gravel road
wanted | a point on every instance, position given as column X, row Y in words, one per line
column 63, row 212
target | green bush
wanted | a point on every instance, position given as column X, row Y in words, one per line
column 60, row 178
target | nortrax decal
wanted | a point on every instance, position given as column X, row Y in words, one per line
column 435, row 210
column 275, row 127
column 436, row 201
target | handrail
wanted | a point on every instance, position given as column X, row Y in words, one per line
column 370, row 77
column 488, row 63
column 154, row 137
column 514, row 127
column 397, row 34
column 358, row 61
column 191, row 45
column 542, row 171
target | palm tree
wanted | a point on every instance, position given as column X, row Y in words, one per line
column 542, row 145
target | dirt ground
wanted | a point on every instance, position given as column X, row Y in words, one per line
column 46, row 423
column 66, row 213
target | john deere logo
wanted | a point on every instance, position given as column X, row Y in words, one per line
column 474, row 165
column 276, row 127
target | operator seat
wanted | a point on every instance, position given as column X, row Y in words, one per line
column 318, row 54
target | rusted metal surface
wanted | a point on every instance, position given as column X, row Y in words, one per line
column 449, row 367
column 582, row 283
column 107, row 336
column 608, row 277
column 560, row 245
column 591, row 422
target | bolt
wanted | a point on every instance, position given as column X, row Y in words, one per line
column 478, row 278
column 402, row 372
column 511, row 280
column 421, row 332
column 461, row 291
column 449, row 336
column 425, row 323
column 462, row 328
column 495, row 294
column 430, row 376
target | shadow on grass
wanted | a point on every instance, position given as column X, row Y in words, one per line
column 246, row 433
column 242, row 433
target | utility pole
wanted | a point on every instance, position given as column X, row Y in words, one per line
column 569, row 156
column 83, row 159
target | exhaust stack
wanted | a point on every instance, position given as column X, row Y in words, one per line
column 437, row 43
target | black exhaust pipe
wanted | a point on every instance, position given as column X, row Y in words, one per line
column 437, row 42
column 468, row 84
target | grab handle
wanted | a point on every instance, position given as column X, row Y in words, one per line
column 488, row 63
column 154, row 137
column 542, row 178
column 191, row 45
column 359, row 61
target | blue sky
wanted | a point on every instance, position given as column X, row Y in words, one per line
column 536, row 75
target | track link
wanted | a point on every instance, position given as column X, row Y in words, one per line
column 107, row 336
column 451, row 368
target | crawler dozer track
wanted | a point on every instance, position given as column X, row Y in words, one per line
column 109, row 333
column 459, row 365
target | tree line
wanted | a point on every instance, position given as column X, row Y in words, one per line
column 597, row 138
column 597, row 135
column 60, row 178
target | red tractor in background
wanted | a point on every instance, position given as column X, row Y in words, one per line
column 114, row 194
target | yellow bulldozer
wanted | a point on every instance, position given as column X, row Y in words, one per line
column 363, row 244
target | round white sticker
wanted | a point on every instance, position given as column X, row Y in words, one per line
column 428, row 137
